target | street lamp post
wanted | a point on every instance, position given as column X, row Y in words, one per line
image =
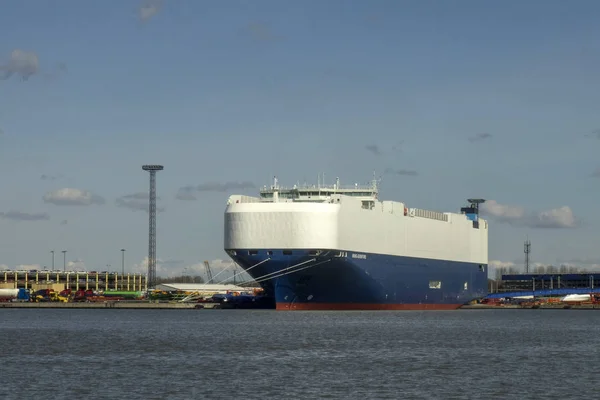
column 64, row 260
column 122, row 262
column 52, row 251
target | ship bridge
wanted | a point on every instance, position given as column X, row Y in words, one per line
column 317, row 193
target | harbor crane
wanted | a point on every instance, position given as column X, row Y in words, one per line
column 208, row 271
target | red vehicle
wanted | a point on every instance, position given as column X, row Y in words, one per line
column 83, row 295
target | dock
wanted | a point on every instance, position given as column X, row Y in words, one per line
column 123, row 305
column 531, row 307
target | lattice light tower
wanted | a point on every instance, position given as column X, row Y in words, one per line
column 152, row 224
column 527, row 251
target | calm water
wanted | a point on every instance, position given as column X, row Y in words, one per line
column 218, row 354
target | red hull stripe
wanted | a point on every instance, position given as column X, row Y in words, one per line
column 364, row 306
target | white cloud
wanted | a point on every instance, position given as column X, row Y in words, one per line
column 142, row 268
column 27, row 267
column 20, row 62
column 497, row 268
column 561, row 217
column 72, row 197
column 500, row 211
column 148, row 9
column 497, row 264
column 75, row 265
column 221, row 269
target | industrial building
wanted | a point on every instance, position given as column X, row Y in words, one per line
column 549, row 283
column 534, row 282
column 545, row 285
column 75, row 280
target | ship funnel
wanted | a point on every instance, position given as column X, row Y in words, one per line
column 472, row 211
column 473, row 207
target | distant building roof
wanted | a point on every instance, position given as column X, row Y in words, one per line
column 563, row 277
column 203, row 287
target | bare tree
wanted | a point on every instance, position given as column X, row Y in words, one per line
column 562, row 269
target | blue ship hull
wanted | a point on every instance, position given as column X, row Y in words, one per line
column 301, row 279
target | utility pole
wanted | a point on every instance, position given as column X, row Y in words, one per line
column 52, row 251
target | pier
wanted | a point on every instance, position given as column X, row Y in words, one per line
column 122, row 305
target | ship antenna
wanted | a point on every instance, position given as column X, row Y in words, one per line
column 375, row 181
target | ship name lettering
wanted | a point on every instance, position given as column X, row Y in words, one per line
column 361, row 256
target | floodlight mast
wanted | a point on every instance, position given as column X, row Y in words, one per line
column 151, row 277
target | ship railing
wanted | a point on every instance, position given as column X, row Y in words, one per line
column 328, row 188
column 242, row 199
column 417, row 212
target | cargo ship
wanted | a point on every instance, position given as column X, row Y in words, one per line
column 329, row 247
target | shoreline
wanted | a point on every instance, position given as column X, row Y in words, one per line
column 149, row 305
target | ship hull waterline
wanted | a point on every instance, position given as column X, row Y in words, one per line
column 302, row 279
column 363, row 307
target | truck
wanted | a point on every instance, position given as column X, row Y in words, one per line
column 43, row 295
column 14, row 295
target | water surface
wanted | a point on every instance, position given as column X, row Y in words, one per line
column 198, row 354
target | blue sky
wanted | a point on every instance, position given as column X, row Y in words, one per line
column 478, row 98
